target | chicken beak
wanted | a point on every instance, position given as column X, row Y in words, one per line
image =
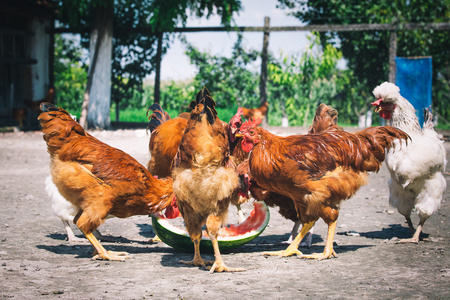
column 378, row 105
column 238, row 134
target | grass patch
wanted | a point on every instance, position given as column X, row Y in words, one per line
column 129, row 115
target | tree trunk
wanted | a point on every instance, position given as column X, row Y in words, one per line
column 158, row 68
column 97, row 98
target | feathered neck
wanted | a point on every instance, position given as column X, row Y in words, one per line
column 267, row 140
column 404, row 116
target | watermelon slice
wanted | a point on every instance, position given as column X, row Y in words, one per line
column 229, row 237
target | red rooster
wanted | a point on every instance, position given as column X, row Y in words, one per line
column 317, row 171
column 324, row 119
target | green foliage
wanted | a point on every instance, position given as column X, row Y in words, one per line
column 228, row 78
column 130, row 114
column 136, row 26
column 300, row 83
column 175, row 96
column 70, row 74
column 367, row 52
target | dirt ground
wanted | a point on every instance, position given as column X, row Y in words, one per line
column 37, row 263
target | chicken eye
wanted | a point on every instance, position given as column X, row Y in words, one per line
column 252, row 132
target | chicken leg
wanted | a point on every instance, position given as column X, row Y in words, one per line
column 306, row 242
column 71, row 238
column 416, row 233
column 213, row 224
column 101, row 252
column 328, row 252
column 197, row 260
column 292, row 249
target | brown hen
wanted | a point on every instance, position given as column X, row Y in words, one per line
column 203, row 185
column 98, row 179
column 256, row 113
column 166, row 137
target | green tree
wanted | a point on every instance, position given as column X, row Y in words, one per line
column 228, row 78
column 299, row 84
column 366, row 52
column 137, row 23
column 70, row 73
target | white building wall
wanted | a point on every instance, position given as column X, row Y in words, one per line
column 39, row 45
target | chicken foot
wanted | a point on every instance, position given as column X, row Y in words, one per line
column 416, row 233
column 307, row 240
column 102, row 253
column 71, row 238
column 198, row 260
column 292, row 249
column 328, row 252
column 219, row 265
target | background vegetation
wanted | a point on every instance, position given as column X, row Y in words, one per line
column 296, row 84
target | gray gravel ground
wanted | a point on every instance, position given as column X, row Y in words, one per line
column 37, row 263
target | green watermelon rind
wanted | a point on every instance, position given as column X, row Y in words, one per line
column 179, row 239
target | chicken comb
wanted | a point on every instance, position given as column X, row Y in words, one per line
column 251, row 123
column 237, row 117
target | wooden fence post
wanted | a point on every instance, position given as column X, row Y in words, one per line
column 264, row 61
column 392, row 55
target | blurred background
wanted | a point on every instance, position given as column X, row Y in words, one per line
column 115, row 58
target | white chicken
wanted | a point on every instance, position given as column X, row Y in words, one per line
column 64, row 210
column 417, row 181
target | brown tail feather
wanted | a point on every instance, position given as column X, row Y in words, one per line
column 158, row 116
column 57, row 126
column 325, row 118
column 379, row 140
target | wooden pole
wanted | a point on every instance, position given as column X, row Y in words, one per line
column 51, row 55
column 392, row 55
column 86, row 97
column 157, row 94
column 264, row 61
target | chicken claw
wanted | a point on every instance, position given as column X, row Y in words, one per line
column 111, row 255
column 284, row 253
column 404, row 241
column 221, row 267
column 292, row 249
column 100, row 252
column 154, row 239
column 320, row 256
column 416, row 233
column 328, row 252
column 200, row 262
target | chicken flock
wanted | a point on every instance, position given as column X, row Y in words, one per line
column 199, row 165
